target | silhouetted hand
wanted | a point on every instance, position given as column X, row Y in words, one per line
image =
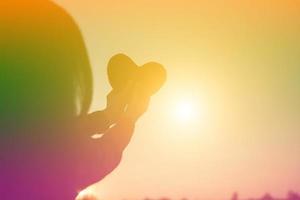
column 116, row 103
column 138, row 104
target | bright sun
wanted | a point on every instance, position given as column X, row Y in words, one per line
column 185, row 111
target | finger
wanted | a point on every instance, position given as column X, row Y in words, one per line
column 127, row 89
column 137, row 106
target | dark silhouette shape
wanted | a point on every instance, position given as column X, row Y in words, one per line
column 122, row 70
column 235, row 196
column 267, row 196
column 293, row 196
column 46, row 151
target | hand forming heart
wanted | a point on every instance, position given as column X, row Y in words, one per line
column 139, row 82
column 149, row 77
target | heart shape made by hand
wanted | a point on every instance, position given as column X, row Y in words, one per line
column 150, row 77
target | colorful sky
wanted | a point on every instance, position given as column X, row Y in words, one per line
column 236, row 63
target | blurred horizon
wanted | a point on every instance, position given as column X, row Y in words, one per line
column 290, row 195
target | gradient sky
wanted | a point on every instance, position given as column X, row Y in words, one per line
column 236, row 61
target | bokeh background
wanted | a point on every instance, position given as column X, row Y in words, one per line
column 235, row 63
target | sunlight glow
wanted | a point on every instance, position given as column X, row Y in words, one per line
column 185, row 111
column 86, row 194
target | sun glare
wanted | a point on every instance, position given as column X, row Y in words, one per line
column 185, row 111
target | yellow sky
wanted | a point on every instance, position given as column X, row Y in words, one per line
column 237, row 62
